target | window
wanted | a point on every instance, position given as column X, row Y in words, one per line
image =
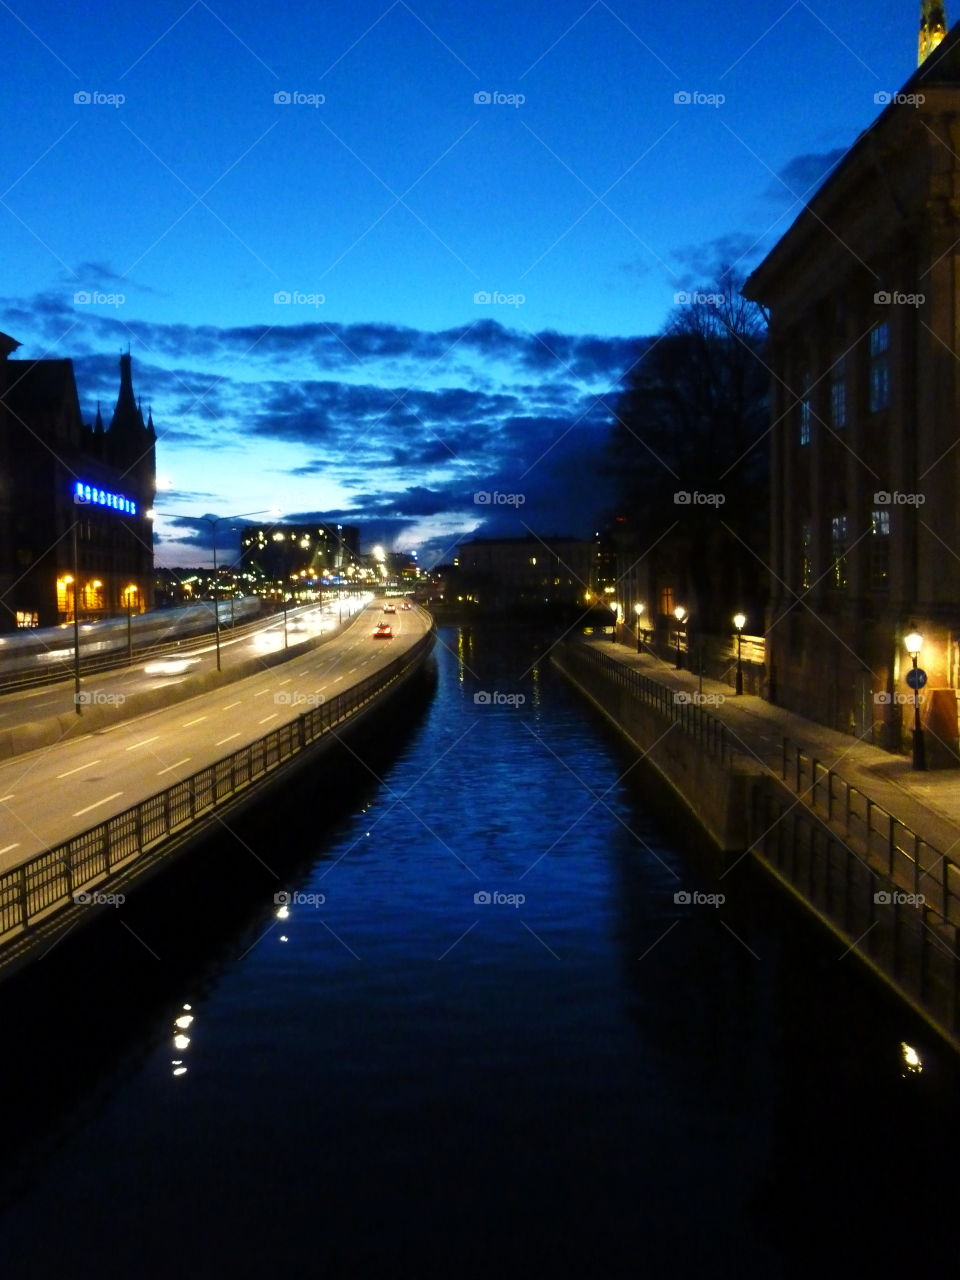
column 27, row 619
column 838, row 547
column 806, row 556
column 879, row 367
column 838, row 395
column 667, row 602
column 805, row 412
column 879, row 549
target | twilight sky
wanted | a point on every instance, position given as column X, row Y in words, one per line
column 184, row 164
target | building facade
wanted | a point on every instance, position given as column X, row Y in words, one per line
column 863, row 294
column 75, row 500
column 506, row 573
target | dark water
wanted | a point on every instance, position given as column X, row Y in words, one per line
column 403, row 1081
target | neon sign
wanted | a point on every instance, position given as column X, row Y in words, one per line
column 89, row 493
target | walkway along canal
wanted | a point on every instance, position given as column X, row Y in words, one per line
column 881, row 886
column 480, row 1033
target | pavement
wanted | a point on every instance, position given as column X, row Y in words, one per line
column 927, row 802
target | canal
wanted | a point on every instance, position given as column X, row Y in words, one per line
column 483, row 1033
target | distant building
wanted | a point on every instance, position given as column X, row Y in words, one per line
column 74, row 499
column 505, row 573
column 278, row 558
column 864, row 299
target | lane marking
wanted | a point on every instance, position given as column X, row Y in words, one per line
column 229, row 706
column 6, row 848
column 97, row 804
column 4, row 799
column 145, row 743
column 266, row 718
column 287, row 681
column 261, row 693
column 187, row 723
column 223, row 740
column 174, row 766
column 89, row 765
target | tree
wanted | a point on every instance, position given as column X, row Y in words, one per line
column 690, row 455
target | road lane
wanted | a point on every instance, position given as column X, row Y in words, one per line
column 43, row 794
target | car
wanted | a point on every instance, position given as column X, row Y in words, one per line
column 383, row 632
column 174, row 666
column 406, row 605
column 389, row 608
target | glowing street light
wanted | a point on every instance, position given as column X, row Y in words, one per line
column 681, row 616
column 638, row 609
column 739, row 621
column 913, row 643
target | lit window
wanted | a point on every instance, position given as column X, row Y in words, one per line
column 879, row 549
column 838, row 541
column 806, row 555
column 805, row 411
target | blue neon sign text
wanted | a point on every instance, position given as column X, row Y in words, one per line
column 89, row 493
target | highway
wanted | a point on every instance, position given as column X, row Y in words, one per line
column 57, row 792
column 198, row 656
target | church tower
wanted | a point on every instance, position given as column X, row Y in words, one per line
column 933, row 28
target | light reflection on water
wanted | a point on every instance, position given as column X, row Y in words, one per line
column 480, row 1032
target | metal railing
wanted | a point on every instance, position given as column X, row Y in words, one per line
column 677, row 705
column 888, row 844
column 910, row 941
column 48, row 882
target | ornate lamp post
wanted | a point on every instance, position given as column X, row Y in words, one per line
column 913, row 644
column 681, row 616
column 638, row 610
column 739, row 621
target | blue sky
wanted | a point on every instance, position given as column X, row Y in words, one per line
column 382, row 198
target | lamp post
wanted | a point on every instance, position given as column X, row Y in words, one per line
column 739, row 621
column 681, row 616
column 213, row 521
column 638, row 610
column 128, row 594
column 76, row 620
column 913, row 642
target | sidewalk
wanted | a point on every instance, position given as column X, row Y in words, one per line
column 927, row 802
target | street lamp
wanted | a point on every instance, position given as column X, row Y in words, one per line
column 739, row 621
column 913, row 644
column 213, row 521
column 128, row 594
column 681, row 616
column 638, row 610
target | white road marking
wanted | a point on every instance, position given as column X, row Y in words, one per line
column 97, row 804
column 287, row 681
column 187, row 723
column 8, row 847
column 266, row 718
column 173, row 766
column 229, row 706
column 223, row 740
column 89, row 765
column 261, row 693
column 145, row 743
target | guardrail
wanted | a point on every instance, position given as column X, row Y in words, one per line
column 48, row 882
column 888, row 844
column 675, row 704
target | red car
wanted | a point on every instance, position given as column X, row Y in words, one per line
column 383, row 632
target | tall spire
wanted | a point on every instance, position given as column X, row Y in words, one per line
column 125, row 418
column 933, row 28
